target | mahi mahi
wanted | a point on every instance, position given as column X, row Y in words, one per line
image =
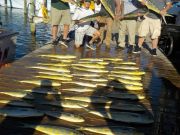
column 89, row 65
column 20, row 103
column 130, row 82
column 80, row 90
column 52, row 129
column 41, row 82
column 129, row 72
column 91, row 70
column 54, row 77
column 18, row 94
column 54, row 64
column 111, row 130
column 58, row 56
column 94, row 79
column 20, row 112
column 128, row 77
column 57, row 69
column 65, row 116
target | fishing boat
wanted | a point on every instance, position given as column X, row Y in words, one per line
column 7, row 45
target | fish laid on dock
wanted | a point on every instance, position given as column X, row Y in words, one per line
column 20, row 103
column 86, row 75
column 65, row 103
column 91, row 70
column 54, row 77
column 128, row 77
column 124, row 95
column 20, row 112
column 91, row 59
column 65, row 116
column 18, row 94
column 54, row 64
column 56, row 73
column 94, row 79
column 128, row 117
column 52, row 129
column 43, row 91
column 126, row 67
column 125, row 87
column 58, row 56
column 128, row 72
column 130, row 82
column 104, row 63
column 80, row 90
column 111, row 130
column 57, row 69
column 90, row 99
column 41, row 82
column 125, row 106
column 85, row 84
column 88, row 65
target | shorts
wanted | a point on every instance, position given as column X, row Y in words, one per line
column 81, row 31
column 149, row 25
column 60, row 16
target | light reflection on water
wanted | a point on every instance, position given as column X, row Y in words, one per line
column 15, row 20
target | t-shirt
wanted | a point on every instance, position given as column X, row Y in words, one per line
column 81, row 13
column 160, row 4
column 59, row 4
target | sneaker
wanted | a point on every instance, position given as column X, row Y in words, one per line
column 153, row 52
column 130, row 49
column 90, row 46
column 64, row 42
column 54, row 42
column 137, row 49
column 119, row 47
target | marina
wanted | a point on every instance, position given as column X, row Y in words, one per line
column 68, row 90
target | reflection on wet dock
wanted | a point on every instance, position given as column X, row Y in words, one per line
column 109, row 102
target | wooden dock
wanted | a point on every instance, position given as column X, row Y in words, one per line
column 161, row 84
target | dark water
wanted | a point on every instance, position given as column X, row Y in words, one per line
column 15, row 20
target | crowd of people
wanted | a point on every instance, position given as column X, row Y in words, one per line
column 150, row 22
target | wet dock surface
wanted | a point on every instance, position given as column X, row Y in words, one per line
column 161, row 84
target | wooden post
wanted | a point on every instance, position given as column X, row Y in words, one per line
column 10, row 1
column 5, row 3
column 32, row 11
column 25, row 7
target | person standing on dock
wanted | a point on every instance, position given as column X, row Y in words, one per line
column 60, row 14
column 128, row 25
column 152, row 24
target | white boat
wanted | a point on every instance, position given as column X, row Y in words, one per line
column 7, row 46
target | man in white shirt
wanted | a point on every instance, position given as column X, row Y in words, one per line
column 84, row 28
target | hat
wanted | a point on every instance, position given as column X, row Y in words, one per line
column 87, row 1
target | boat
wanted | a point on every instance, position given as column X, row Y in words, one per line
column 7, row 45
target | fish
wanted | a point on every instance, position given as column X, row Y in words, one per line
column 125, row 87
column 89, row 65
column 66, row 61
column 52, row 129
column 65, row 116
column 95, row 62
column 54, row 77
column 45, row 83
column 58, row 56
column 94, row 79
column 91, row 70
column 92, row 59
column 54, row 64
column 20, row 112
column 127, row 117
column 86, row 75
column 128, row 72
column 85, row 84
column 123, row 95
column 126, row 67
column 91, row 99
column 18, row 94
column 20, row 103
column 43, row 91
column 153, row 7
column 112, row 59
column 57, row 69
column 125, row 106
column 126, row 63
column 111, row 130
column 80, row 90
column 56, row 73
column 66, row 103
column 130, row 82
column 128, row 77
column 107, row 7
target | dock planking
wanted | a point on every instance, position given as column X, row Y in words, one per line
column 161, row 85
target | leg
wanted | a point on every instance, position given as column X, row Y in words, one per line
column 96, row 35
column 131, row 25
column 79, row 34
column 54, row 31
column 122, row 33
column 66, row 30
column 109, row 22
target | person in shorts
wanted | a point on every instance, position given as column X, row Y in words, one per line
column 152, row 24
column 84, row 28
column 60, row 14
